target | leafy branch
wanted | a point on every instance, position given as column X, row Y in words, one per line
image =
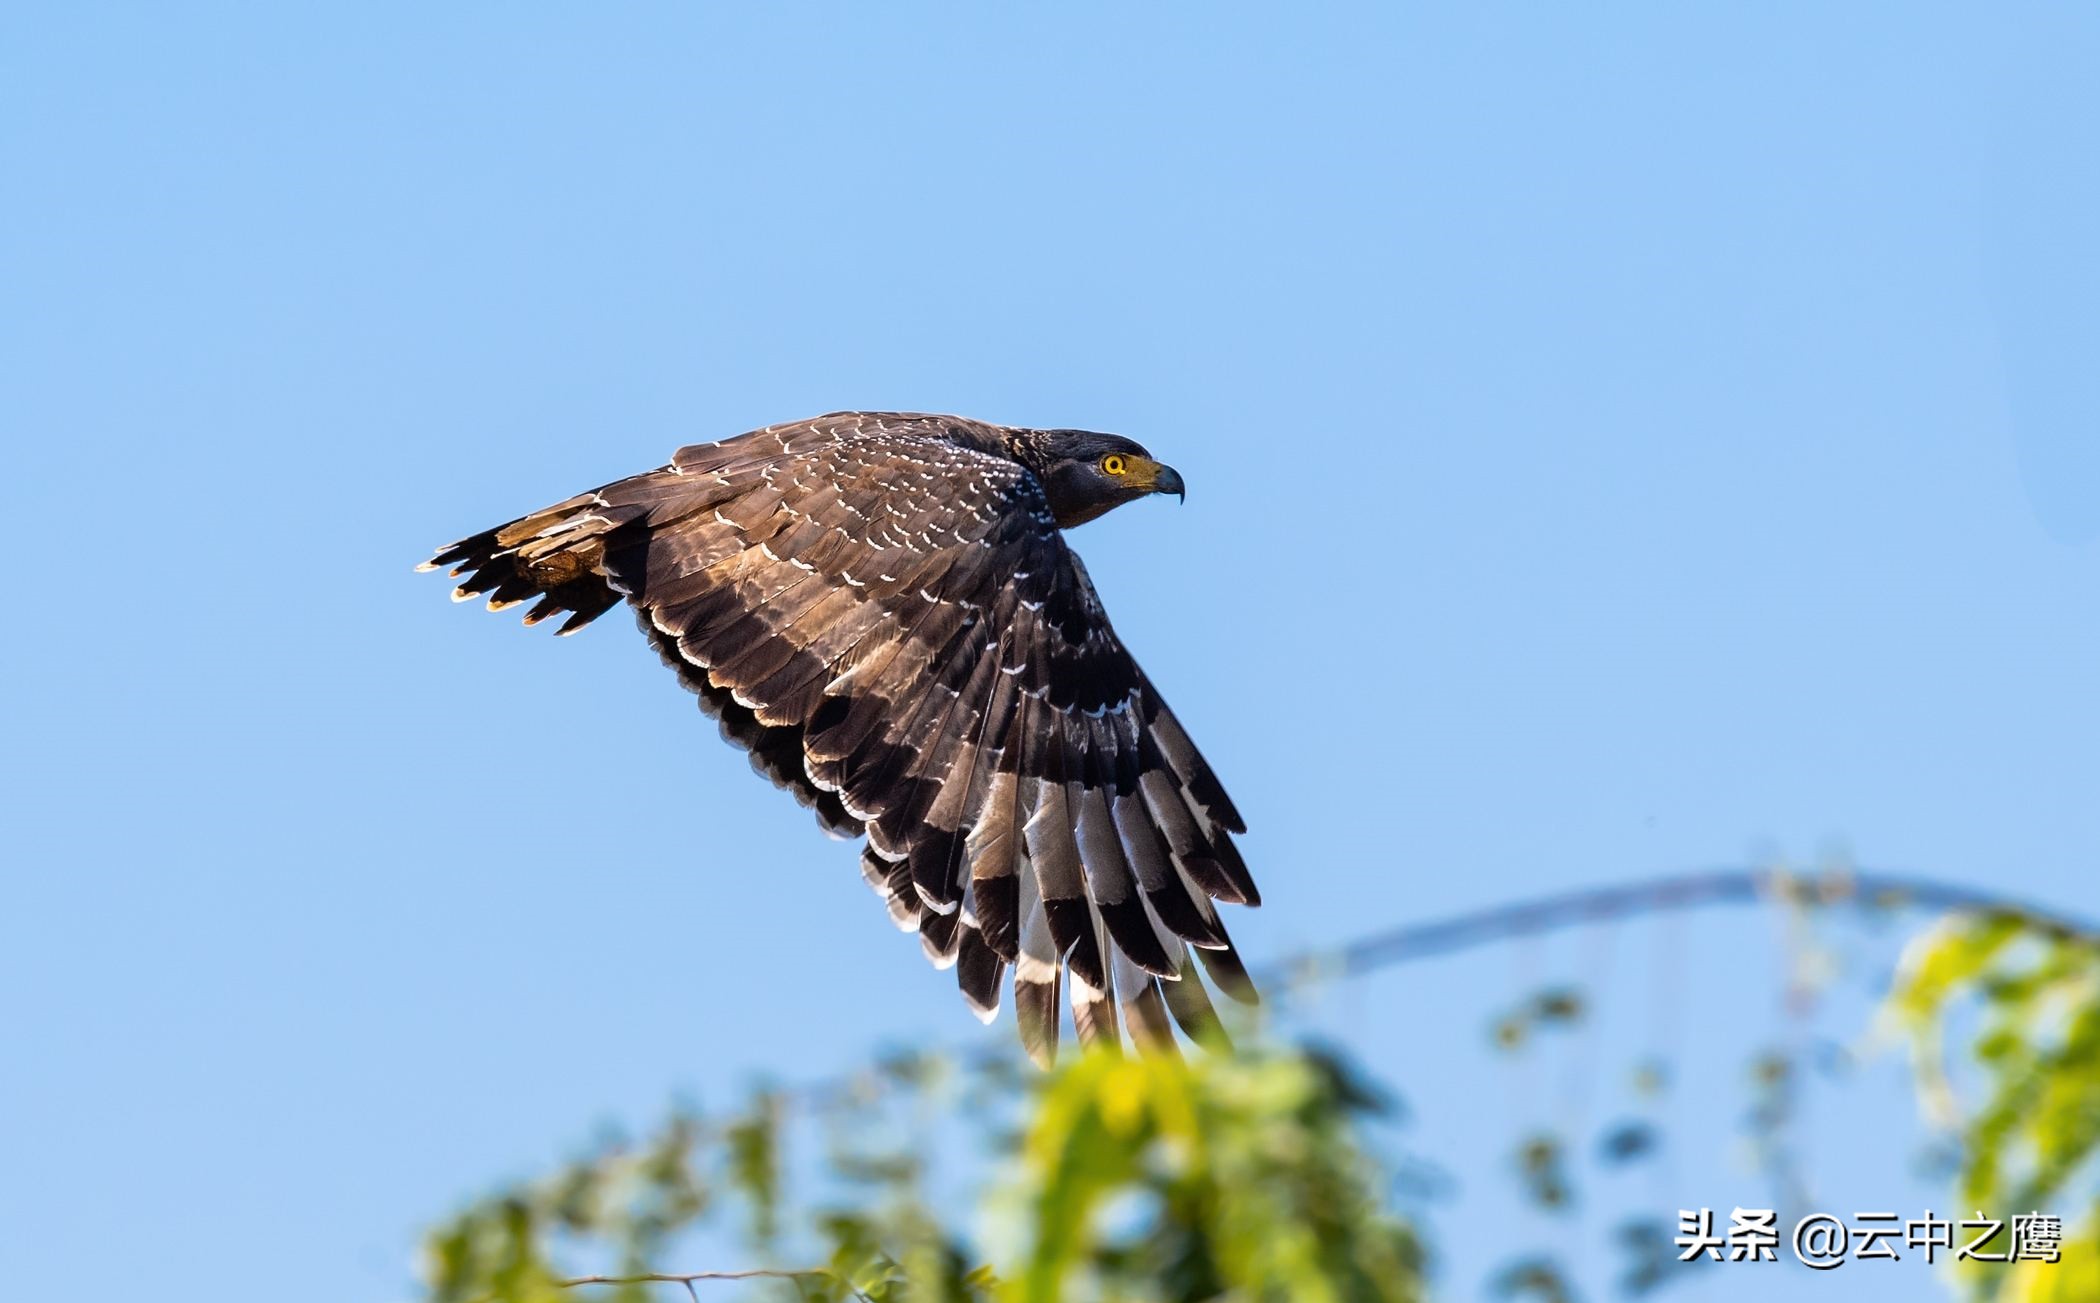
column 2031, row 991
column 1147, row 1178
column 1251, row 1177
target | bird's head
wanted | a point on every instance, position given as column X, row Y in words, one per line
column 1087, row 474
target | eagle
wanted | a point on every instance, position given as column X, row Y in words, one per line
column 881, row 608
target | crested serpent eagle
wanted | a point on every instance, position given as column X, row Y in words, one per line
column 881, row 608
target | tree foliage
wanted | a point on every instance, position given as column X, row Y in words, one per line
column 1141, row 1179
column 1253, row 1175
column 2025, row 997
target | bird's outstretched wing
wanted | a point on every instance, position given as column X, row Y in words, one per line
column 884, row 613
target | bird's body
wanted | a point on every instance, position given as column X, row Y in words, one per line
column 882, row 610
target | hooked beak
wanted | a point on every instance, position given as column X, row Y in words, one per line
column 1168, row 480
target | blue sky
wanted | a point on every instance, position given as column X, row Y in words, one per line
column 1618, row 441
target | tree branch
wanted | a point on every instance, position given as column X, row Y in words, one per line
column 1407, row 944
column 687, row 1278
column 1374, row 951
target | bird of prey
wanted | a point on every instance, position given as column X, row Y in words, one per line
column 880, row 607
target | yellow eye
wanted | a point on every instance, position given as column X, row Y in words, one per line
column 1113, row 464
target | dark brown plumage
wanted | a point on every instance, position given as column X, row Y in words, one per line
column 881, row 609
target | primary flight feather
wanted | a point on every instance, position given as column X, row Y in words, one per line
column 880, row 607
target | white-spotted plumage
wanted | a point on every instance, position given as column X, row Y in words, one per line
column 882, row 610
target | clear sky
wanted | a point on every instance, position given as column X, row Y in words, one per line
column 1619, row 439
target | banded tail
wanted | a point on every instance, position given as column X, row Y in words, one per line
column 558, row 555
